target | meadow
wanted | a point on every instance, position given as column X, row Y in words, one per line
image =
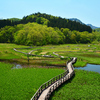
column 19, row 84
column 84, row 85
column 86, row 53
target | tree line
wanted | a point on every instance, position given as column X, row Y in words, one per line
column 37, row 34
column 49, row 20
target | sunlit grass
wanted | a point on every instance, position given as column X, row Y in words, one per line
column 86, row 53
column 84, row 86
column 21, row 84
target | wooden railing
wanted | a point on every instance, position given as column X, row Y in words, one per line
column 29, row 54
column 56, row 85
column 47, row 84
column 55, row 82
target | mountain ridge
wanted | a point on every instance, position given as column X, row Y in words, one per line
column 77, row 20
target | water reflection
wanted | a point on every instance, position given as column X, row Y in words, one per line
column 18, row 66
column 90, row 67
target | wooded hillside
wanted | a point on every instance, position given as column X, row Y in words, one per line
column 49, row 20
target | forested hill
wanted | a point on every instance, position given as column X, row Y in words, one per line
column 49, row 20
column 98, row 30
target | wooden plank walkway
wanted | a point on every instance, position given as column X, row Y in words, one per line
column 45, row 90
column 46, row 93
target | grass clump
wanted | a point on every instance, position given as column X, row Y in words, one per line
column 84, row 85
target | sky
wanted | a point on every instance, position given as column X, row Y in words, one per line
column 88, row 11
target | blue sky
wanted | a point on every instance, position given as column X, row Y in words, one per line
column 88, row 11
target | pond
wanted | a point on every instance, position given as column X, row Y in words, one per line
column 17, row 66
column 90, row 67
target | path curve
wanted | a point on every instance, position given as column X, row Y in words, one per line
column 47, row 92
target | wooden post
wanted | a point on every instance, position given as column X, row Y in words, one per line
column 56, row 85
column 59, row 76
column 53, row 88
column 45, row 85
column 28, row 58
column 41, row 89
column 56, row 78
column 51, row 81
column 48, row 83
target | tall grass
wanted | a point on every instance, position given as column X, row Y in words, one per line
column 21, row 84
column 84, row 86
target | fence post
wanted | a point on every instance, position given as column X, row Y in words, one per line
column 53, row 88
column 61, row 81
column 59, row 76
column 48, row 83
column 45, row 85
column 58, row 83
column 51, row 81
column 56, row 78
column 41, row 88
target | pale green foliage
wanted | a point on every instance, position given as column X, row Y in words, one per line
column 35, row 34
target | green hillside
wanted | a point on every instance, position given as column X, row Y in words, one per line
column 37, row 34
column 49, row 20
column 44, row 29
column 97, row 29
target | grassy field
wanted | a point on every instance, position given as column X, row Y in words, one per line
column 86, row 53
column 83, row 86
column 21, row 84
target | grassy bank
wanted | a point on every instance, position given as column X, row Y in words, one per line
column 21, row 84
column 83, row 86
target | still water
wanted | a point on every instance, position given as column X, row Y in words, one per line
column 90, row 67
column 18, row 66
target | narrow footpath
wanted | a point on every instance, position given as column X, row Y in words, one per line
column 47, row 92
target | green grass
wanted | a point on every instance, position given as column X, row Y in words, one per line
column 84, row 86
column 21, row 84
column 86, row 53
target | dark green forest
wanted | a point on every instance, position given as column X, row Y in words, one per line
column 43, row 29
column 49, row 20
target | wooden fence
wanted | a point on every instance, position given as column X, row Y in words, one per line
column 56, row 81
column 29, row 54
column 47, row 84
column 57, row 84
